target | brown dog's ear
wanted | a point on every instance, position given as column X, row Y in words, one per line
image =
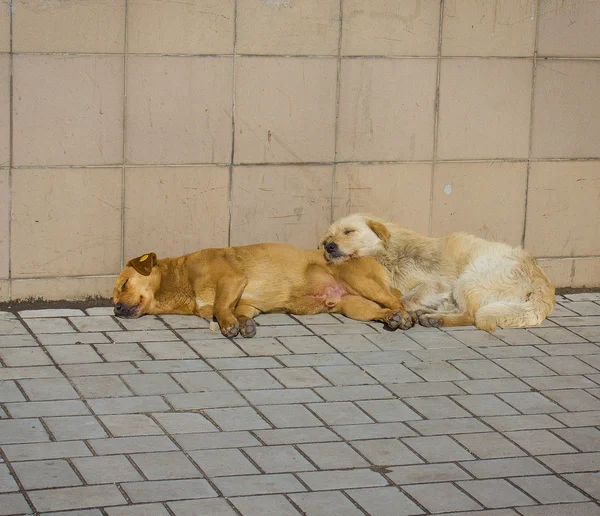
column 143, row 264
column 380, row 230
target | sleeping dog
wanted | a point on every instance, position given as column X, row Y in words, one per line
column 235, row 284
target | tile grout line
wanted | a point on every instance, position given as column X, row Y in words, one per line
column 125, row 62
column 11, row 143
column 233, row 97
column 536, row 6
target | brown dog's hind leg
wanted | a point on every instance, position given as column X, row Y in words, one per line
column 228, row 292
column 245, row 315
column 362, row 309
column 438, row 320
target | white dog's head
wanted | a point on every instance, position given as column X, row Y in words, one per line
column 353, row 236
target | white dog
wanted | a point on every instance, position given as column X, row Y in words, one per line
column 453, row 281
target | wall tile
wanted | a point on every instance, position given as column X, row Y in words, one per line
column 281, row 204
column 476, row 28
column 4, row 288
column 391, row 27
column 4, row 25
column 178, row 110
column 288, row 27
column 285, row 109
column 486, row 199
column 587, row 272
column 4, row 110
column 191, row 27
column 4, row 222
column 66, row 222
column 566, row 117
column 67, row 26
column 68, row 110
column 63, row 288
column 563, row 209
column 386, row 109
column 175, row 210
column 396, row 192
column 484, row 108
column 568, row 29
column 576, row 273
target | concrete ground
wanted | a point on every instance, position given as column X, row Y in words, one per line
column 316, row 415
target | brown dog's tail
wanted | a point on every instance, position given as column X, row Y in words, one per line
column 529, row 312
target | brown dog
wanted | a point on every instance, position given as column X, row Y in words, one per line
column 235, row 284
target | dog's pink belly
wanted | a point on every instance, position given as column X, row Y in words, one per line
column 331, row 294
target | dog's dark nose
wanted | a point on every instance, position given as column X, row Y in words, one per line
column 118, row 308
column 331, row 247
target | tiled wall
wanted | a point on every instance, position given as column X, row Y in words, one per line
column 129, row 126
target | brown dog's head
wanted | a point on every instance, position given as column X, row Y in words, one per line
column 135, row 287
column 353, row 236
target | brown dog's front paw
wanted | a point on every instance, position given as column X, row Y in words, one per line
column 232, row 330
column 430, row 321
column 248, row 328
column 400, row 320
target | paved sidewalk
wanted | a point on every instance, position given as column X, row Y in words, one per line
column 316, row 415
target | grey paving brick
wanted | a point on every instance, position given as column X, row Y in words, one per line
column 559, row 382
column 572, row 462
column 495, row 493
column 426, row 473
column 484, row 405
column 412, row 390
column 49, row 325
column 203, row 400
column 493, row 386
column 239, row 418
column 306, row 344
column 223, row 462
column 572, row 509
column 524, row 367
column 12, row 327
column 444, row 354
column 351, row 343
column 289, row 416
column 297, row 435
column 72, row 428
column 169, row 350
column 448, row 426
column 215, row 440
column 149, row 384
column 296, row 377
column 148, row 322
column 591, row 333
column 184, row 321
column 122, row 352
column 313, row 360
column 50, row 312
column 106, row 470
column 167, row 490
column 436, row 371
column 279, row 459
column 588, row 482
column 258, row 347
column 194, row 334
column 14, row 357
column 138, row 444
column 252, row 379
column 212, row 348
column 549, row 489
column 212, row 506
column 339, row 413
column 7, row 482
column 317, row 319
column 202, row 381
column 437, row 448
column 342, row 479
column 489, row 445
column 445, row 497
column 76, row 498
column 341, row 329
column 332, row 503
column 574, row 419
column 128, row 405
column 512, row 352
column 577, row 321
column 345, row 375
column 95, row 323
column 264, row 505
column 392, row 373
column 258, row 484
column 127, row 425
column 373, row 431
column 571, row 349
column 386, row 411
column 531, row 403
column 13, row 503
column 354, row 393
column 379, row 357
column 173, row 366
column 282, row 331
column 435, row 340
column 477, row 338
column 556, row 335
column 333, row 455
column 518, row 337
column 58, row 339
column 48, row 389
column 165, row 465
column 584, row 439
column 386, row 452
column 10, row 392
column 539, row 442
column 384, row 501
column 46, row 450
column 567, row 365
column 17, row 341
column 481, row 369
column 244, row 363
column 436, row 407
column 506, row 467
column 47, row 408
column 98, row 369
column 144, row 509
column 529, row 422
column 281, row 396
column 184, row 423
column 83, row 512
column 393, row 341
column 45, row 474
column 101, row 386
column 142, row 336
column 583, row 296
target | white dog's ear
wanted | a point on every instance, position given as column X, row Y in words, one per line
column 380, row 230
